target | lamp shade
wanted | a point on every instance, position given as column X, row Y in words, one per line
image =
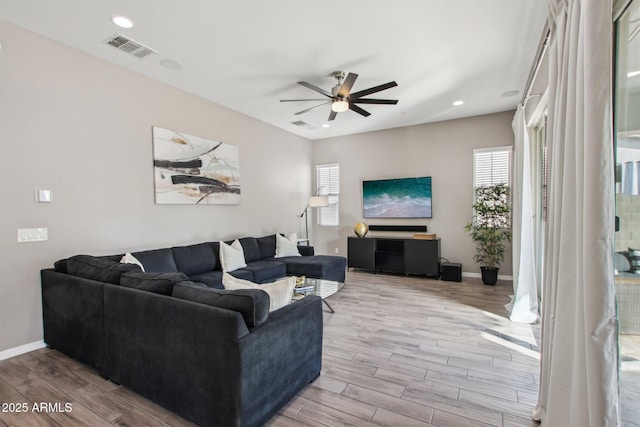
column 340, row 105
column 318, row 201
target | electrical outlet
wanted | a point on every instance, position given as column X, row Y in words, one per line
column 337, row 250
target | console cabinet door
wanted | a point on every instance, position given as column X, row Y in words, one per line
column 361, row 253
column 422, row 257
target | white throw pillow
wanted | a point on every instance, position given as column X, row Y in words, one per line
column 232, row 256
column 280, row 292
column 287, row 246
column 130, row 259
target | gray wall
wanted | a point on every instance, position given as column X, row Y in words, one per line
column 81, row 128
column 442, row 150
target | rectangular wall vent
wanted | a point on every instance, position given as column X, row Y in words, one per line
column 129, row 46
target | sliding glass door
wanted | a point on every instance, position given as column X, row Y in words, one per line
column 627, row 153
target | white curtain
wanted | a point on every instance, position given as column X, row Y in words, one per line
column 524, row 304
column 579, row 374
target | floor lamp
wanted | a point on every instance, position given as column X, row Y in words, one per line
column 314, row 202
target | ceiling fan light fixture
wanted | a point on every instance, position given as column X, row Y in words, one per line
column 340, row 105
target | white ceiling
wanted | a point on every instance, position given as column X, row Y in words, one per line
column 249, row 54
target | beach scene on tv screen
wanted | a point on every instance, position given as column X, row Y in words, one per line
column 397, row 198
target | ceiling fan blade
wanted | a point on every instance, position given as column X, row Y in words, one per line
column 312, row 108
column 332, row 115
column 375, row 101
column 316, row 88
column 297, row 100
column 371, row 90
column 359, row 110
column 347, row 85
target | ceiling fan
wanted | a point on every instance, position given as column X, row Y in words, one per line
column 341, row 98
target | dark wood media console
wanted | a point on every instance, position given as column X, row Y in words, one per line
column 394, row 255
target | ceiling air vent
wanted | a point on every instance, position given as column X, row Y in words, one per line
column 129, row 46
column 300, row 123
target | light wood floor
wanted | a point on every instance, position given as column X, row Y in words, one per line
column 398, row 351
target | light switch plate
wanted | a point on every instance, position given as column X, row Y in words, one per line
column 43, row 196
column 33, row 234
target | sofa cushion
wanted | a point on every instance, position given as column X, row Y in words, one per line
column 634, row 260
column 306, row 250
column 280, row 292
column 265, row 271
column 159, row 283
column 61, row 265
column 212, row 279
column 267, row 246
column 250, row 249
column 195, row 259
column 98, row 268
column 243, row 274
column 328, row 267
column 157, row 260
column 287, row 246
column 232, row 256
column 253, row 304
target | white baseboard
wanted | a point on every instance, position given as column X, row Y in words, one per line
column 17, row 351
column 479, row 276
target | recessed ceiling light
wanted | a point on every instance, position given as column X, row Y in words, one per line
column 458, row 103
column 326, row 125
column 171, row 64
column 122, row 21
column 509, row 93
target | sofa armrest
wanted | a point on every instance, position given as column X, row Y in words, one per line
column 203, row 363
column 180, row 354
column 72, row 317
column 281, row 356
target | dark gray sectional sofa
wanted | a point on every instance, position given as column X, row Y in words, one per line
column 200, row 262
column 173, row 334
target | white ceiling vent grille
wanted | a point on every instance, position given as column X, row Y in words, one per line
column 300, row 123
column 129, row 46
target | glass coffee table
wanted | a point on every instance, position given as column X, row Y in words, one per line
column 320, row 287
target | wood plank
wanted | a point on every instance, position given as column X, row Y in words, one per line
column 103, row 403
column 398, row 351
column 412, row 409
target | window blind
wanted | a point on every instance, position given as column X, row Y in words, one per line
column 491, row 166
column 328, row 181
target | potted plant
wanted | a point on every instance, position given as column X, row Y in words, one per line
column 490, row 229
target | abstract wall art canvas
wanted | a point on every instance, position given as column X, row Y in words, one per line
column 397, row 198
column 193, row 170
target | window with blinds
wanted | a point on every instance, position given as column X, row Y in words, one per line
column 491, row 166
column 328, row 181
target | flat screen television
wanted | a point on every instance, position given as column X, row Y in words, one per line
column 397, row 198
